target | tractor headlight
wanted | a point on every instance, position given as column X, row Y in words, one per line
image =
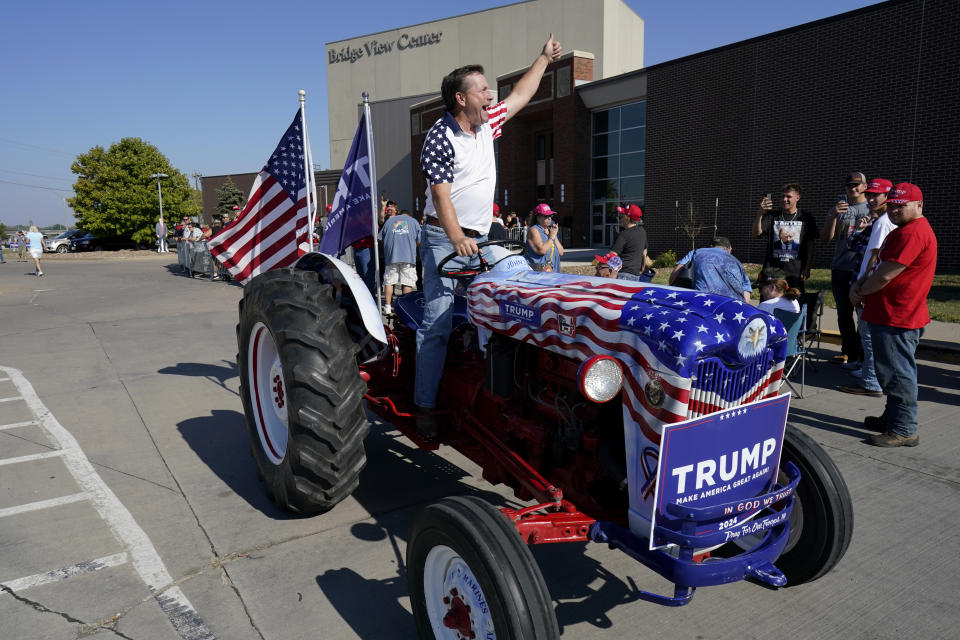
column 600, row 378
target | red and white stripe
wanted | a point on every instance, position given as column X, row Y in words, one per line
column 266, row 234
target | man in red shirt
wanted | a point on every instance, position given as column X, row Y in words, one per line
column 895, row 306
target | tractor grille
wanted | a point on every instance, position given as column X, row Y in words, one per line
column 716, row 386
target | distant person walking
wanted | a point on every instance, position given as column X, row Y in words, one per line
column 35, row 238
column 21, row 247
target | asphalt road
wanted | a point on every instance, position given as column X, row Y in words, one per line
column 130, row 506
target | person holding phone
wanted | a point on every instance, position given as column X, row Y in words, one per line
column 842, row 221
column 790, row 235
column 543, row 246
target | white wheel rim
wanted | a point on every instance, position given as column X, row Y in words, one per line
column 455, row 602
column 268, row 393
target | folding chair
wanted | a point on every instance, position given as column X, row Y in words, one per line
column 813, row 301
column 796, row 325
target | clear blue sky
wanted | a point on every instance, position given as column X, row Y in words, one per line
column 212, row 84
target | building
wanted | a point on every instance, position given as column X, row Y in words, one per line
column 404, row 66
column 697, row 141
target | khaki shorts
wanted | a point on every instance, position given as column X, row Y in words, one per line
column 402, row 273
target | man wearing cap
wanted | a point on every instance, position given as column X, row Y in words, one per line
column 894, row 301
column 608, row 266
column 791, row 233
column 631, row 243
column 842, row 221
column 867, row 242
column 543, row 246
column 458, row 162
column 497, row 230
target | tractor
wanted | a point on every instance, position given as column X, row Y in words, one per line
column 649, row 418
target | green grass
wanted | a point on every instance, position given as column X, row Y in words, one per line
column 943, row 301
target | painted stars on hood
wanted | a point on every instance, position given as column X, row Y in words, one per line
column 680, row 326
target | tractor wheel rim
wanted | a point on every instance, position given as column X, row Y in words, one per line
column 456, row 605
column 268, row 393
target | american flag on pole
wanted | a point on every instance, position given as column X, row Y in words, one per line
column 275, row 221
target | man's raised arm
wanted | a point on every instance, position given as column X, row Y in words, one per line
column 527, row 85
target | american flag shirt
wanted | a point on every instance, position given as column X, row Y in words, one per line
column 467, row 163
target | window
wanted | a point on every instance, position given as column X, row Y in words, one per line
column 617, row 163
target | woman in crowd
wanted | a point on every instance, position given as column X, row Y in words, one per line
column 775, row 293
column 543, row 246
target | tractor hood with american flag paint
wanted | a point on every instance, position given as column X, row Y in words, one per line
column 657, row 333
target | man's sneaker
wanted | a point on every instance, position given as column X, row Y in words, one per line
column 427, row 424
column 893, row 439
column 857, row 390
column 852, row 365
column 875, row 423
column 840, row 358
column 387, row 310
column 40, row 274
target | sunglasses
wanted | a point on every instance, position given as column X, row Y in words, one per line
column 853, row 185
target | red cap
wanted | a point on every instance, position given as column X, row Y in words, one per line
column 610, row 259
column 496, row 209
column 904, row 193
column 329, row 206
column 236, row 207
column 543, row 209
column 632, row 211
column 879, row 185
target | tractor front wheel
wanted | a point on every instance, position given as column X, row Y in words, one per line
column 471, row 576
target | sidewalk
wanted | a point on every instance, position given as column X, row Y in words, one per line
column 941, row 340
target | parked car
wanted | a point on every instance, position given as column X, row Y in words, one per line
column 91, row 242
column 61, row 243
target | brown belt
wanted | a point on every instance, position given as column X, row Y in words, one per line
column 470, row 233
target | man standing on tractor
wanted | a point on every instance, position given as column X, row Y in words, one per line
column 458, row 162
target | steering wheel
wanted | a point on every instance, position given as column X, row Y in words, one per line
column 513, row 245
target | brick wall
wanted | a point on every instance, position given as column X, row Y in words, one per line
column 873, row 90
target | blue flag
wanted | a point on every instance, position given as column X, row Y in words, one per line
column 352, row 211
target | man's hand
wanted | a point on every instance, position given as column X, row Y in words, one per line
column 766, row 204
column 552, row 49
column 465, row 246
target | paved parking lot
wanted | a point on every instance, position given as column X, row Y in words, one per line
column 130, row 506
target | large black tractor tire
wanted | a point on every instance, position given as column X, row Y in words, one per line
column 301, row 389
column 821, row 523
column 470, row 575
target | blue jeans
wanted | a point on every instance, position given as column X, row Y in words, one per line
column 363, row 261
column 869, row 374
column 437, row 314
column 894, row 351
column 628, row 276
column 840, row 284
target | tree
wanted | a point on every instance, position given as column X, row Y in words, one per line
column 3, row 232
column 115, row 195
column 228, row 197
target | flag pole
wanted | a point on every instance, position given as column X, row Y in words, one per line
column 373, row 196
column 307, row 171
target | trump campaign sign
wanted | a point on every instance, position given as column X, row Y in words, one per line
column 729, row 456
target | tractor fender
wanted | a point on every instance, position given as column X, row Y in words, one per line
column 366, row 305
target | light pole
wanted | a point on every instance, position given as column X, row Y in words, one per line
column 159, row 190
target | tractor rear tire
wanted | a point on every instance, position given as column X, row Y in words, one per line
column 301, row 389
column 821, row 523
column 470, row 575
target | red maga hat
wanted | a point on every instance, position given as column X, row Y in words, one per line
column 543, row 209
column 632, row 211
column 904, row 193
column 879, row 185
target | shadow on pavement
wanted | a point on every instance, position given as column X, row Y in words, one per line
column 398, row 477
column 218, row 374
column 220, row 441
